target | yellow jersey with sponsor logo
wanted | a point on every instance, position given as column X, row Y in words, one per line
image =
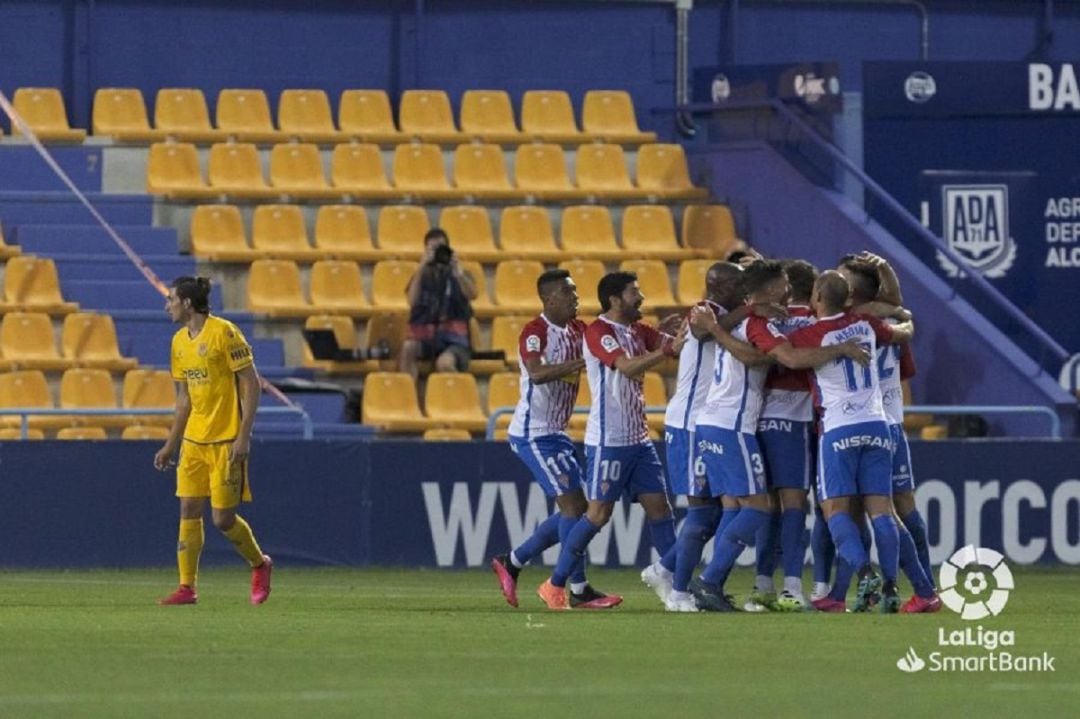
column 208, row 363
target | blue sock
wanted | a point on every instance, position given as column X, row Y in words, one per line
column 698, row 528
column 663, row 534
column 822, row 545
column 864, row 534
column 853, row 556
column 767, row 543
column 793, row 541
column 731, row 542
column 726, row 518
column 915, row 524
column 912, row 565
column 545, row 535
column 888, row 545
column 573, row 550
column 670, row 557
column 566, row 525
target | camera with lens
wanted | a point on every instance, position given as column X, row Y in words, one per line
column 443, row 255
column 380, row 351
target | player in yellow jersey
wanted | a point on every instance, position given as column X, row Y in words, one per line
column 217, row 391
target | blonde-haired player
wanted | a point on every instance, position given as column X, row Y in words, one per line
column 217, row 391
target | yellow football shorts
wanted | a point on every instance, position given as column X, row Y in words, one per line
column 205, row 471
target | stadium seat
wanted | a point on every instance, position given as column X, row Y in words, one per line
column 482, row 306
column 447, row 434
column 336, row 288
column 365, row 115
column 540, row 171
column 172, row 169
column 525, row 231
column 15, row 433
column 120, row 113
column 144, row 432
column 648, row 231
column 42, row 108
column 578, row 422
column 89, row 339
column 504, row 389
column 610, row 114
column 655, row 396
column 452, row 399
column 357, row 170
column 82, row 433
column 32, row 285
column 345, row 333
column 274, row 290
column 244, row 116
column 389, row 279
column 426, row 114
column 149, row 389
column 662, row 171
column 586, row 275
column 387, row 329
column 297, row 170
column 692, row 280
column 469, row 230
column 25, row 389
column 217, row 234
column 515, row 286
column 279, row 232
column 505, row 333
column 400, row 230
column 653, row 280
column 180, row 113
column 342, row 233
column 419, row 171
column 305, row 115
column 7, row 251
column 82, row 388
column 588, row 233
column 27, row 341
column 486, row 114
column 480, row 172
column 390, row 403
column 236, row 170
column 709, row 228
column 548, row 115
column 601, row 172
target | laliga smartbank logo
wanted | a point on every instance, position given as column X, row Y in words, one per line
column 975, row 583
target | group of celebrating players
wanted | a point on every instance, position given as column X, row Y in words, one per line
column 786, row 378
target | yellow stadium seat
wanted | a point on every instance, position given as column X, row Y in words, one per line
column 365, row 114
column 655, row 396
column 235, row 169
column 32, row 285
column 601, row 172
column 578, row 421
column 357, row 170
column 305, row 115
column 120, row 112
column 515, row 286
column 149, row 389
column 180, row 113
column 447, row 434
column 480, row 171
column 662, row 171
column 82, row 433
column 487, row 114
column 390, row 403
column 342, row 233
column 540, row 171
column 297, row 170
column 89, row 340
column 389, row 280
column 244, row 115
column 419, row 170
column 336, row 288
column 482, row 306
column 172, row 169
column 426, row 114
column 649, row 231
column 144, row 432
column 400, row 230
column 610, row 114
column 42, row 108
column 388, row 329
column 653, row 280
column 6, row 250
column 469, row 230
column 26, row 389
column 692, row 280
column 82, row 388
column 453, row 399
column 217, row 234
column 525, row 231
column 548, row 115
column 10, row 433
column 586, row 275
column 934, row 432
column 279, row 232
column 709, row 228
column 27, row 341
column 504, row 389
column 588, row 233
column 505, row 333
column 345, row 333
column 274, row 290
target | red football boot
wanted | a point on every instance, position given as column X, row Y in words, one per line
column 828, row 604
column 260, row 580
column 922, row 605
column 183, row 595
column 507, row 573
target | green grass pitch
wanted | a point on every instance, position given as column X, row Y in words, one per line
column 374, row 643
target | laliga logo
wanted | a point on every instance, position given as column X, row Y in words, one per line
column 974, row 562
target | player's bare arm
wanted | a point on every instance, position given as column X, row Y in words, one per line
column 636, row 366
column 884, row 311
column 903, row 332
column 248, row 380
column 163, row 459
column 541, row 373
column 705, row 321
column 808, row 357
column 889, row 290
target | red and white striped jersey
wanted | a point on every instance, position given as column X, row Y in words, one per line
column 617, row 414
column 787, row 391
column 695, row 374
column 736, row 392
column 546, row 408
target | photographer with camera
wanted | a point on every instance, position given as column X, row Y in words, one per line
column 439, row 297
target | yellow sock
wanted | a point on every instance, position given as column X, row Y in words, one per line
column 188, row 549
column 241, row 537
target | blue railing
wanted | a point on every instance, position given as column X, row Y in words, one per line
column 26, row 412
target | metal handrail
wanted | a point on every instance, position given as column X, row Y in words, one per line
column 26, row 412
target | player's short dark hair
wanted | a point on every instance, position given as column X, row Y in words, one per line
column 761, row 273
column 196, row 289
column 802, row 275
column 612, row 284
column 435, row 233
column 865, row 283
column 546, row 281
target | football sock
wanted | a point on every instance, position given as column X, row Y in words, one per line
column 793, row 543
column 852, row 553
column 566, row 525
column 767, row 543
column 912, row 565
column 730, row 544
column 888, row 545
column 663, row 534
column 188, row 548
column 241, row 537
column 573, row 550
column 916, row 526
column 699, row 526
column 726, row 518
column 824, row 550
column 864, row 534
column 670, row 558
column 578, row 587
column 545, row 535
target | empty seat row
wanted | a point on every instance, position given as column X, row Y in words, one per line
column 479, row 171
column 244, row 114
column 343, row 232
column 134, row 432
column 31, row 284
column 27, row 341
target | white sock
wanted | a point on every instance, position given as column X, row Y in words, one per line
column 793, row 585
column 764, row 584
column 821, row 589
column 578, row 587
column 663, row 571
column 676, row 595
column 515, row 561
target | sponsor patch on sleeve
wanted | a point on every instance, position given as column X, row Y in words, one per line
column 532, row 343
column 609, row 343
